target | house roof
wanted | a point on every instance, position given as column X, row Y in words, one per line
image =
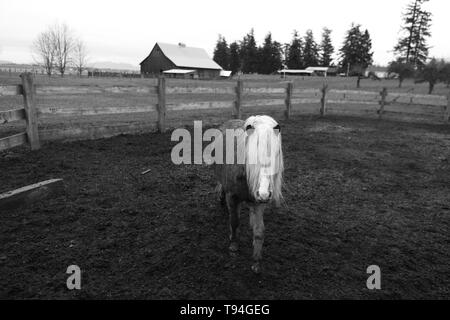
column 188, row 57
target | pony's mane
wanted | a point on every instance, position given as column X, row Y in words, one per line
column 262, row 142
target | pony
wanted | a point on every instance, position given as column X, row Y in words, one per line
column 255, row 180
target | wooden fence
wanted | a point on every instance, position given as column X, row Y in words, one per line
column 327, row 101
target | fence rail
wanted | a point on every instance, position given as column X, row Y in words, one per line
column 327, row 100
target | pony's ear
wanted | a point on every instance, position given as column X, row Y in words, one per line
column 277, row 128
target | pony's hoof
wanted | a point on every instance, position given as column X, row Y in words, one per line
column 256, row 268
column 234, row 247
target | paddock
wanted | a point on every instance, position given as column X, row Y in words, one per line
column 359, row 192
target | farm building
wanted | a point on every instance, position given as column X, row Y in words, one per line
column 180, row 61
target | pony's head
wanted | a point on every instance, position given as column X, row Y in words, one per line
column 264, row 158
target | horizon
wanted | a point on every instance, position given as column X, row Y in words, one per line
column 101, row 31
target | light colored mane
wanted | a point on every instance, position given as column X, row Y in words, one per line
column 264, row 155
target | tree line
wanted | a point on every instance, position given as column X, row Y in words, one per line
column 302, row 52
column 412, row 50
column 57, row 48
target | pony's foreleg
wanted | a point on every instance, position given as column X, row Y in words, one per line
column 220, row 193
column 257, row 224
column 233, row 210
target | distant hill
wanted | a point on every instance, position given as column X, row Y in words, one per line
column 5, row 62
column 113, row 65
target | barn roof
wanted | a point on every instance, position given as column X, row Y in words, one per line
column 178, row 71
column 188, row 57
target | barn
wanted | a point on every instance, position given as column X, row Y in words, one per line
column 179, row 61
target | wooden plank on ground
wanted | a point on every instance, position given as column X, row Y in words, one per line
column 200, row 90
column 200, row 105
column 12, row 115
column 95, row 89
column 13, row 90
column 32, row 193
column 13, row 141
column 93, row 110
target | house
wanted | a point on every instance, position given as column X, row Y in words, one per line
column 179, row 61
column 377, row 72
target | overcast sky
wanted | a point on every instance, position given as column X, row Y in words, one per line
column 125, row 31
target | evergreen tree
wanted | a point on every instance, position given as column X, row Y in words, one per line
column 366, row 49
column 356, row 52
column 294, row 59
column 269, row 56
column 326, row 48
column 249, row 53
column 412, row 46
column 310, row 50
column 222, row 53
column 235, row 60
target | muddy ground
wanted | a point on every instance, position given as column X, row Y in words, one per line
column 358, row 192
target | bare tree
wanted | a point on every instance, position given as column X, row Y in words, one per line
column 44, row 51
column 80, row 58
column 63, row 42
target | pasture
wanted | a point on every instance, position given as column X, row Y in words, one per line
column 359, row 192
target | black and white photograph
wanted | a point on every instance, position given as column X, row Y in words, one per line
column 224, row 155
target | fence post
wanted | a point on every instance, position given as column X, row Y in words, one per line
column 323, row 100
column 288, row 101
column 161, row 104
column 30, row 110
column 383, row 94
column 447, row 109
column 238, row 102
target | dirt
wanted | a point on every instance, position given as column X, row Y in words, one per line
column 358, row 192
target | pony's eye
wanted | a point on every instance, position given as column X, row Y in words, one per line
column 277, row 128
column 249, row 127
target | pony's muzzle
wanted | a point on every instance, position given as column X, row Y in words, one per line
column 263, row 197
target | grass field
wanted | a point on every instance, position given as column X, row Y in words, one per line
column 358, row 192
